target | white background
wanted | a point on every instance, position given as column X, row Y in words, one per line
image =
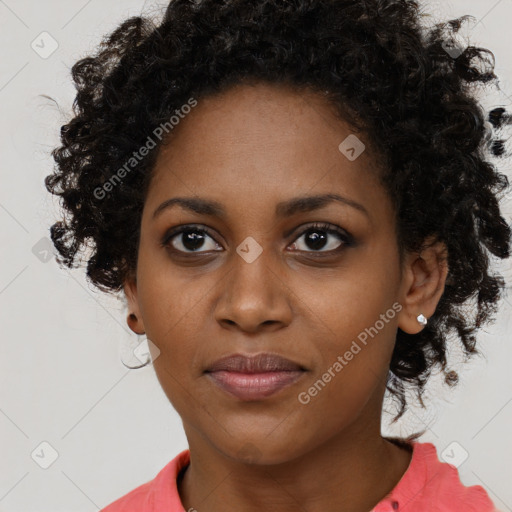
column 61, row 379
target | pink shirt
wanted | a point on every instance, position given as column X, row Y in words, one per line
column 428, row 485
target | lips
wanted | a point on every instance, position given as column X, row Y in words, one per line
column 260, row 363
column 254, row 377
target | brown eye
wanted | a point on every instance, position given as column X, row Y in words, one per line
column 190, row 239
column 322, row 236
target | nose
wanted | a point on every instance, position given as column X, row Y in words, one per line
column 254, row 296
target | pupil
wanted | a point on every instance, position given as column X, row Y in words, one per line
column 192, row 240
column 318, row 241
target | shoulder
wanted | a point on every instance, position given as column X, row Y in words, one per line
column 158, row 494
column 137, row 499
column 444, row 485
column 435, row 486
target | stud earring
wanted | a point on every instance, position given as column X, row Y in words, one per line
column 421, row 319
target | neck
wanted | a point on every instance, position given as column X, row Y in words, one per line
column 352, row 472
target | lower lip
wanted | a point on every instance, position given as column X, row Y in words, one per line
column 254, row 386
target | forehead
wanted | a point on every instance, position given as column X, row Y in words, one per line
column 253, row 146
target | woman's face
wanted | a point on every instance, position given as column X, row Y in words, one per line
column 260, row 282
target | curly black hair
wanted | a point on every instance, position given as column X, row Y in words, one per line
column 406, row 85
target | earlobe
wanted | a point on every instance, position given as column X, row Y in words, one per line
column 423, row 282
column 134, row 318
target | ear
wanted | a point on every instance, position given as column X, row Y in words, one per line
column 134, row 318
column 423, row 282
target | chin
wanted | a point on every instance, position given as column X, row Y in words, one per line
column 264, row 453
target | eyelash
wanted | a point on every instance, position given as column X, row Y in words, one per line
column 346, row 239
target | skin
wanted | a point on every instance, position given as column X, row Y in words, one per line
column 250, row 148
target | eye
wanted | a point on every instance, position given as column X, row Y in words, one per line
column 191, row 240
column 316, row 237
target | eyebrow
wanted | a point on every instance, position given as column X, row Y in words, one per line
column 283, row 209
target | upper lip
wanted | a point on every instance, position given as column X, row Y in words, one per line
column 259, row 363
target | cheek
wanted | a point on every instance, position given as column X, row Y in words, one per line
column 355, row 327
column 347, row 304
column 364, row 333
column 168, row 300
column 174, row 311
column 353, row 364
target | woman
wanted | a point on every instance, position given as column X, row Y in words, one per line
column 296, row 199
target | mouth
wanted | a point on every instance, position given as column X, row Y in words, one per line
column 254, row 377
